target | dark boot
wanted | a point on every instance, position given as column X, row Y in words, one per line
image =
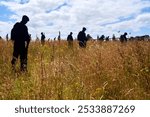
column 23, row 66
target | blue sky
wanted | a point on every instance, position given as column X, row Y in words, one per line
column 98, row 16
column 3, row 12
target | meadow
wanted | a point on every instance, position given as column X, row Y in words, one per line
column 102, row 71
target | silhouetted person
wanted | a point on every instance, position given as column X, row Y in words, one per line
column 107, row 38
column 21, row 38
column 0, row 37
column 82, row 38
column 102, row 38
column 89, row 37
column 114, row 37
column 123, row 38
column 42, row 38
column 97, row 37
column 59, row 36
column 70, row 40
column 7, row 37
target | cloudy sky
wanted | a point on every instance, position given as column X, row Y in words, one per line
column 98, row 16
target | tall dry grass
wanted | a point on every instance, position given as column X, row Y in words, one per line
column 107, row 70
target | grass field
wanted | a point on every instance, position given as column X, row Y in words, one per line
column 107, row 70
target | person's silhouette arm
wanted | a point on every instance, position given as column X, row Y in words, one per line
column 28, row 38
column 28, row 41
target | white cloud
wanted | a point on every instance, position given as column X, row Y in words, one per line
column 135, row 24
column 5, row 27
column 99, row 16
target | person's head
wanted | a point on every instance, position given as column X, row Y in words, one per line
column 84, row 29
column 25, row 19
column 125, row 33
column 71, row 33
column 41, row 33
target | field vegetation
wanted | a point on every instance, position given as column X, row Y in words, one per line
column 102, row 71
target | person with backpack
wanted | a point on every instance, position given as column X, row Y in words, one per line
column 82, row 38
column 21, row 40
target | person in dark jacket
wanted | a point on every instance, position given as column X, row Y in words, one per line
column 82, row 38
column 42, row 38
column 21, row 39
column 70, row 40
column 123, row 38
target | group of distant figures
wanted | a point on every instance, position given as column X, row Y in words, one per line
column 82, row 38
column 123, row 38
column 21, row 39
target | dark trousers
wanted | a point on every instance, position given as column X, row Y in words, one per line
column 82, row 44
column 70, row 44
column 20, row 50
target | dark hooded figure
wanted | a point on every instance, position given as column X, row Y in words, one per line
column 21, row 38
column 82, row 38
column 70, row 40
column 123, row 38
column 42, row 38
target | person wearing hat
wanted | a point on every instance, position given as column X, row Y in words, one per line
column 70, row 40
column 82, row 38
column 21, row 39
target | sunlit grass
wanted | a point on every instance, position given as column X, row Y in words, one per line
column 107, row 70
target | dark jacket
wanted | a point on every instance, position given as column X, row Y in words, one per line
column 69, row 38
column 123, row 38
column 82, row 36
column 42, row 37
column 19, row 33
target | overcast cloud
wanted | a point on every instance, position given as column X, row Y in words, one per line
column 98, row 16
